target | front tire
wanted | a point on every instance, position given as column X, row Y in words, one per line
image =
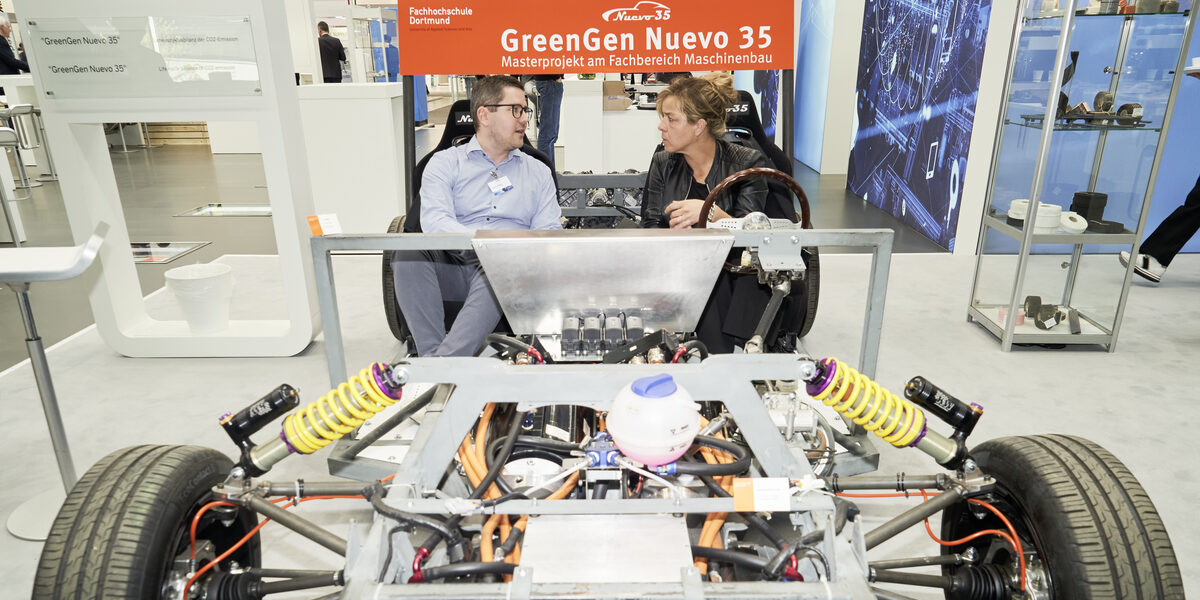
column 1079, row 510
column 123, row 525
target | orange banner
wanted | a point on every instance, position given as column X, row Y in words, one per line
column 610, row 36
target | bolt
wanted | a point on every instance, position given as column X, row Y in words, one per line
column 399, row 376
column 795, row 239
column 969, row 466
column 808, row 370
column 767, row 239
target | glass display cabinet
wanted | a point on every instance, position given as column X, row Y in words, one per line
column 1088, row 104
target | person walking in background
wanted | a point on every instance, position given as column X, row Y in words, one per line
column 1161, row 246
column 332, row 54
column 550, row 93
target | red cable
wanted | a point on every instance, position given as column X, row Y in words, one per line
column 536, row 355
column 232, row 549
column 678, row 353
column 1010, row 536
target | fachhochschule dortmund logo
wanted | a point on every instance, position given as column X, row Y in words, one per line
column 646, row 10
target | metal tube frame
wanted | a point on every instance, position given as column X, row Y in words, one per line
column 775, row 245
column 294, row 522
column 912, row 516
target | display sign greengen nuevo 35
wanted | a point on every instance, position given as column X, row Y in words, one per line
column 539, row 36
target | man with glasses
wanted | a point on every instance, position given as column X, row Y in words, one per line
column 487, row 183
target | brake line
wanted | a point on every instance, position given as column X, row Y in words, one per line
column 1010, row 536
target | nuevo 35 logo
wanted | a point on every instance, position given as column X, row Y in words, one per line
column 646, row 10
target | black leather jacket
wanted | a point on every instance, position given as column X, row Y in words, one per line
column 670, row 178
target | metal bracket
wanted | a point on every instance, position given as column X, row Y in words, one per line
column 521, row 586
column 693, row 589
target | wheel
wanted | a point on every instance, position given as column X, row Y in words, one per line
column 812, row 289
column 395, row 318
column 125, row 524
column 1088, row 528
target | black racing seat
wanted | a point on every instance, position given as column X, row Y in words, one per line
column 460, row 126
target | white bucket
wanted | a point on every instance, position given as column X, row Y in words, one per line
column 204, row 293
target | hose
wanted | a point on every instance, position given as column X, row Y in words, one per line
column 751, row 519
column 600, row 490
column 536, row 442
column 698, row 346
column 497, row 466
column 375, row 493
column 496, row 340
column 462, row 569
column 774, row 567
column 740, row 465
column 750, row 561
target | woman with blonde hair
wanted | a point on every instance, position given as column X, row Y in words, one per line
column 693, row 161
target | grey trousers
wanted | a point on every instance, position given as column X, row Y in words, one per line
column 424, row 279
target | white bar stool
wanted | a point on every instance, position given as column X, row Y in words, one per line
column 20, row 267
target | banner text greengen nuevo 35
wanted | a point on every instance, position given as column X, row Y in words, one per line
column 612, row 36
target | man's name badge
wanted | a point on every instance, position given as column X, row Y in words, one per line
column 499, row 186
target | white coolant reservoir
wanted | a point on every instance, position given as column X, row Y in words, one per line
column 653, row 420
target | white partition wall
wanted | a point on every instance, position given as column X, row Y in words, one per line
column 148, row 61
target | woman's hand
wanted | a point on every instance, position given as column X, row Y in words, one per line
column 686, row 213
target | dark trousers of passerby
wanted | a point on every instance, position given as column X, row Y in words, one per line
column 1170, row 236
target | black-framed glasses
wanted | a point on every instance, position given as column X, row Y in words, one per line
column 517, row 109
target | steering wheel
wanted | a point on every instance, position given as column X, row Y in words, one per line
column 744, row 174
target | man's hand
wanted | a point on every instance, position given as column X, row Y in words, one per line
column 684, row 213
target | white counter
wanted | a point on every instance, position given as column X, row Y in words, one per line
column 352, row 135
column 352, row 132
column 600, row 140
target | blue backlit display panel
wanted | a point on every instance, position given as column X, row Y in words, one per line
column 918, row 80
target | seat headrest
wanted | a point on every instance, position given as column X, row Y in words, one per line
column 742, row 117
column 460, row 126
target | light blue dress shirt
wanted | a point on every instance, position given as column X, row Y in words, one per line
column 455, row 195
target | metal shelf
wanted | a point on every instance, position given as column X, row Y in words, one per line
column 997, row 221
column 1081, row 126
column 1078, row 15
column 1092, row 332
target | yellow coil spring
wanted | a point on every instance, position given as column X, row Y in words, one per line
column 337, row 413
column 854, row 395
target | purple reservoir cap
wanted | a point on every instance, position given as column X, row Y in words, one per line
column 655, row 386
column 829, row 369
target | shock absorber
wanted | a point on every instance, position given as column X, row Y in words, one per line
column 321, row 422
column 898, row 421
